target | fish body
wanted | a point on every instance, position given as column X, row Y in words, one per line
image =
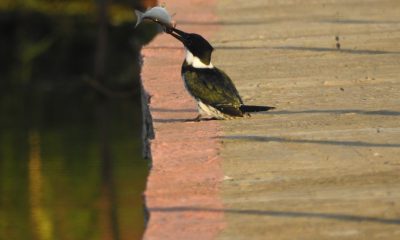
column 157, row 14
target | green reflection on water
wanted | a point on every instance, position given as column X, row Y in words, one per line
column 55, row 183
column 70, row 157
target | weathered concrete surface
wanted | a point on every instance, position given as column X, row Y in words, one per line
column 326, row 163
column 186, row 169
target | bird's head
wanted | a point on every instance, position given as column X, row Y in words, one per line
column 198, row 46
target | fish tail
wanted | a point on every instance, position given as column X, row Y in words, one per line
column 139, row 17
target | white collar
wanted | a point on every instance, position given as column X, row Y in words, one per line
column 195, row 61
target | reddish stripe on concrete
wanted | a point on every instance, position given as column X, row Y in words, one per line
column 186, row 168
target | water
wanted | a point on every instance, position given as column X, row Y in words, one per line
column 74, row 179
column 70, row 155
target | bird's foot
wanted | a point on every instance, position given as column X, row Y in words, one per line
column 196, row 119
column 210, row 119
column 199, row 118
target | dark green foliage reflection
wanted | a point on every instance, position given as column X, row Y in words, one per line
column 70, row 134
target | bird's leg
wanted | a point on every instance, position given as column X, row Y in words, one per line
column 213, row 119
column 199, row 119
column 196, row 119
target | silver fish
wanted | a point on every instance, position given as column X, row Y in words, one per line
column 157, row 14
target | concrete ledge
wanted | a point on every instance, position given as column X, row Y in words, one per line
column 186, row 169
column 324, row 165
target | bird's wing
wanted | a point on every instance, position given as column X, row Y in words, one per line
column 213, row 87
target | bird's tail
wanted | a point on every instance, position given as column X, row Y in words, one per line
column 252, row 108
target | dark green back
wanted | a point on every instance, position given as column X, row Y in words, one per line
column 213, row 87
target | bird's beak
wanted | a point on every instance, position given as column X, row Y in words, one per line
column 178, row 34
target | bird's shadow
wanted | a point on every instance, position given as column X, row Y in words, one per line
column 184, row 120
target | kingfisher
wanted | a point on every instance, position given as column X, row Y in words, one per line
column 215, row 93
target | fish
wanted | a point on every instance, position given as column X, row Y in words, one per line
column 157, row 14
